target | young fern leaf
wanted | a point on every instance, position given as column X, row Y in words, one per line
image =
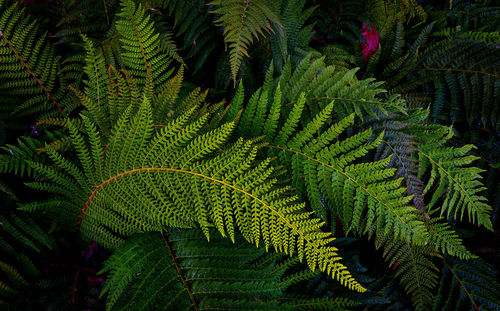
column 243, row 22
column 147, row 181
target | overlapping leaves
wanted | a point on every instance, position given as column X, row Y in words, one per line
column 143, row 180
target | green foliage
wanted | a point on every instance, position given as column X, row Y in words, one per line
column 204, row 275
column 21, row 240
column 28, row 65
column 293, row 40
column 243, row 22
column 326, row 171
column 323, row 84
column 467, row 285
column 241, row 193
column 13, row 158
column 199, row 275
column 448, row 170
column 337, row 158
column 461, row 68
column 449, row 62
column 73, row 18
column 192, row 21
column 414, row 269
column 141, row 49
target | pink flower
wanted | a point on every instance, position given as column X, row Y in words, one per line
column 370, row 34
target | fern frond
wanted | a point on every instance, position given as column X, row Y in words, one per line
column 403, row 139
column 143, row 180
column 203, row 275
column 193, row 23
column 324, row 168
column 141, row 47
column 28, row 65
column 323, row 84
column 464, row 73
column 95, row 85
column 123, row 90
column 467, row 285
column 19, row 235
column 13, row 157
column 453, row 181
column 26, row 232
column 417, row 273
column 295, row 36
column 243, row 22
column 168, row 44
column 181, row 270
column 446, row 239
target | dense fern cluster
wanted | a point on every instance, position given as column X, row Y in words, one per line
column 249, row 155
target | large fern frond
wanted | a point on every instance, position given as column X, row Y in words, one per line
column 141, row 181
column 405, row 138
column 451, row 181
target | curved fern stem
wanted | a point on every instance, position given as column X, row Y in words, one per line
column 166, row 169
